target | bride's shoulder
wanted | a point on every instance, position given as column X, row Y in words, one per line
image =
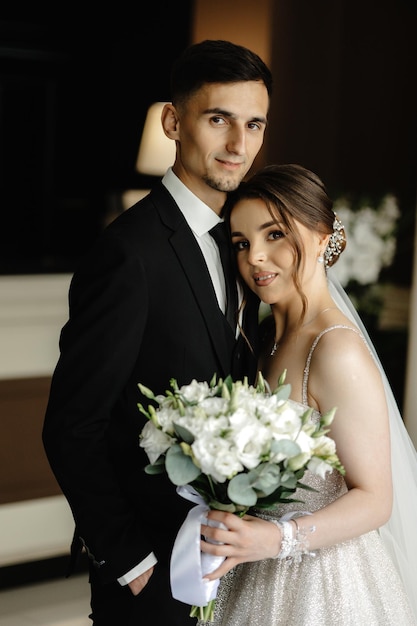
column 339, row 345
column 338, row 332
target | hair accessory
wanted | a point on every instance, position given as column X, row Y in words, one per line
column 335, row 244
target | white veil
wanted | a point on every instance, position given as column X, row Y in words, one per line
column 399, row 534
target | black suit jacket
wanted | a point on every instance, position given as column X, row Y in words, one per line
column 142, row 309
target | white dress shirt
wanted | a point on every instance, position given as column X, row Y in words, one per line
column 201, row 219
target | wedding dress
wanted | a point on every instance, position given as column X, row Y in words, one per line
column 370, row 580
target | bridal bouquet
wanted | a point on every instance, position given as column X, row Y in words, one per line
column 231, row 446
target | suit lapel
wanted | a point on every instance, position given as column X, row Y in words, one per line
column 195, row 268
column 192, row 261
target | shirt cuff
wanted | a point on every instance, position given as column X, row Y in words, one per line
column 144, row 565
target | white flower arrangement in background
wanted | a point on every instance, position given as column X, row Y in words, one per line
column 370, row 247
column 371, row 240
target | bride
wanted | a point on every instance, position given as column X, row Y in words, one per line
column 346, row 552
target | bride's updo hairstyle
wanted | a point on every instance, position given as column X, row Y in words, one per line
column 292, row 192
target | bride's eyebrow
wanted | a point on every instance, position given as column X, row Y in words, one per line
column 264, row 226
column 269, row 224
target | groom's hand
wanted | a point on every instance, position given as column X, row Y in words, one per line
column 140, row 582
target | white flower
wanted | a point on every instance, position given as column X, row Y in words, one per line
column 319, row 467
column 154, row 441
column 251, row 442
column 370, row 240
column 195, row 391
column 216, row 458
column 323, row 446
column 285, row 421
column 166, row 417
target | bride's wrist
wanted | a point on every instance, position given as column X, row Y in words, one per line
column 294, row 543
column 286, row 543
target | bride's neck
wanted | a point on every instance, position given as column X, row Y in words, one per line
column 290, row 322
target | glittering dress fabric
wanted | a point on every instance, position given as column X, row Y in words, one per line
column 350, row 584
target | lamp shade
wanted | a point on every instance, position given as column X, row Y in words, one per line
column 156, row 151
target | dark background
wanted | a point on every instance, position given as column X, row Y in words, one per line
column 74, row 91
column 75, row 86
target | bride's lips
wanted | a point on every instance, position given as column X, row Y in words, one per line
column 264, row 278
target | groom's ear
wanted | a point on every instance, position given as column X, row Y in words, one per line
column 170, row 121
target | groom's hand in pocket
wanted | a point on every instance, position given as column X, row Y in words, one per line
column 137, row 584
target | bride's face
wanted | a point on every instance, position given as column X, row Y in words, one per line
column 265, row 251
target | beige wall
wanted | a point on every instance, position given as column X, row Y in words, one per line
column 244, row 22
column 35, row 520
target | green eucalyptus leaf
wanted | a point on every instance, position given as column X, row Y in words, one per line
column 286, row 447
column 156, row 468
column 283, row 392
column 221, row 506
column 184, row 434
column 265, row 478
column 240, row 490
column 180, row 467
column 289, row 481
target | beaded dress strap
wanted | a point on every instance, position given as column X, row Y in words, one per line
column 310, row 354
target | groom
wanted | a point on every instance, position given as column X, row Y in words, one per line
column 146, row 306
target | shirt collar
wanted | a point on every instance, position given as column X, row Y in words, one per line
column 199, row 216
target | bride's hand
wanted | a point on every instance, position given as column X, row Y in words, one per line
column 245, row 539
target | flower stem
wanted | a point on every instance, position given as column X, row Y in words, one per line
column 204, row 613
column 210, row 481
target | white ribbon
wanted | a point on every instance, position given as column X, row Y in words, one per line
column 188, row 564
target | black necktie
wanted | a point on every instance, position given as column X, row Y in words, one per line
column 219, row 235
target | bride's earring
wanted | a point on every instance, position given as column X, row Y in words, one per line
column 320, row 259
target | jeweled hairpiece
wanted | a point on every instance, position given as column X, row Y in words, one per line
column 336, row 243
